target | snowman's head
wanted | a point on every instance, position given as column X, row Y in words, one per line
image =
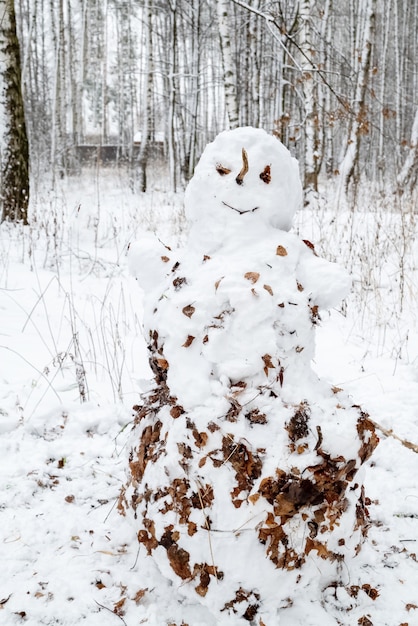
column 244, row 176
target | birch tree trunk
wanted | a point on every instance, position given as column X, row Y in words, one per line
column 230, row 79
column 14, row 149
column 359, row 125
column 147, row 100
column 310, row 95
column 408, row 174
column 195, row 91
column 172, row 86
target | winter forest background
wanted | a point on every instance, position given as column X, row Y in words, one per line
column 336, row 81
column 120, row 98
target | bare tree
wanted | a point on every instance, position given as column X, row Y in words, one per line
column 230, row 80
column 14, row 149
column 147, row 95
column 409, row 172
column 310, row 94
column 359, row 119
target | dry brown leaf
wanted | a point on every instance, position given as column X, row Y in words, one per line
column 310, row 245
column 281, row 251
column 252, row 276
column 200, row 438
column 267, row 363
column 218, row 282
column 255, row 417
column 188, row 310
column 268, row 288
column 162, row 363
column 179, row 282
column 139, row 595
column 179, row 561
column 370, row 591
column 165, row 259
column 176, row 411
column 266, row 175
column 118, row 607
column 188, row 341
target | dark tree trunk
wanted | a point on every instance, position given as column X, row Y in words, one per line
column 14, row 148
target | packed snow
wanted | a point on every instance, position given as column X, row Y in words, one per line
column 74, row 362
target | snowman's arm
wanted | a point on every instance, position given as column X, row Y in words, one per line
column 149, row 261
column 328, row 283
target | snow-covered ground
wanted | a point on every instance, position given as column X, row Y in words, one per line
column 72, row 362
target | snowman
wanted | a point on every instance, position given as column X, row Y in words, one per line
column 244, row 478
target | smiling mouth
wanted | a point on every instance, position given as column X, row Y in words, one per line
column 239, row 210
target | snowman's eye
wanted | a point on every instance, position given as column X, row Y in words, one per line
column 266, row 175
column 222, row 171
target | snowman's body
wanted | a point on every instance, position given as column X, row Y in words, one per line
column 244, row 463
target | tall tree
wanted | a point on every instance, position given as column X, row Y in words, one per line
column 147, row 88
column 229, row 64
column 14, row 149
column 408, row 175
column 310, row 95
column 359, row 119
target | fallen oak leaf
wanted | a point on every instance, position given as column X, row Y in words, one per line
column 188, row 341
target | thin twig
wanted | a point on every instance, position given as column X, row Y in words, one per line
column 102, row 606
column 215, row 569
column 389, row 433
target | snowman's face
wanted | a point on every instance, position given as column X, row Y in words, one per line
column 245, row 173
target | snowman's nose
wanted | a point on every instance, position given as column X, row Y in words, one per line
column 240, row 178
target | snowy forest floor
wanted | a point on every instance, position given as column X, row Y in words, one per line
column 72, row 361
